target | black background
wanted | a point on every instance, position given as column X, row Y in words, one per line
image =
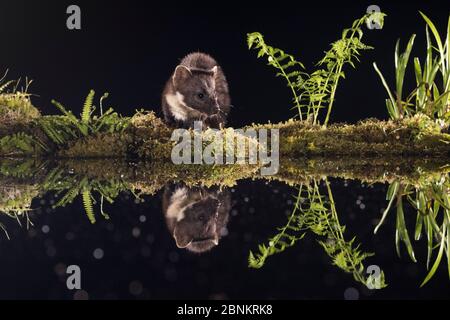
column 130, row 49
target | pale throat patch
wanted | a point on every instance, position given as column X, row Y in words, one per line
column 178, row 107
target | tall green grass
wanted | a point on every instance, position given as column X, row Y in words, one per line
column 431, row 96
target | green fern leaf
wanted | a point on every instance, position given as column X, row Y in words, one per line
column 87, row 107
column 88, row 206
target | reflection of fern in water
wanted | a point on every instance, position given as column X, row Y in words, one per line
column 20, row 144
column 431, row 200
column 23, row 168
column 287, row 237
column 317, row 213
column 74, row 186
column 344, row 254
column 88, row 206
column 315, row 91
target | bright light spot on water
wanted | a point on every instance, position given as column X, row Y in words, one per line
column 135, row 288
column 98, row 253
column 45, row 229
column 136, row 232
column 351, row 294
column 81, row 295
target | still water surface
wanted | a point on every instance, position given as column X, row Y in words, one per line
column 179, row 241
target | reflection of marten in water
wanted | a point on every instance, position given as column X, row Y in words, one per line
column 196, row 216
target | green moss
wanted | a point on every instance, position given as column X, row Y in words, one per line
column 101, row 145
column 146, row 136
column 16, row 108
column 151, row 137
column 412, row 136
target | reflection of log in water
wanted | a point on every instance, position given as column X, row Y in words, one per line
column 150, row 177
column 366, row 169
column 23, row 180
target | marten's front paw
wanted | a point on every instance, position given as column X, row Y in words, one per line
column 214, row 121
column 203, row 117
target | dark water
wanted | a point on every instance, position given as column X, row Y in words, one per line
column 133, row 254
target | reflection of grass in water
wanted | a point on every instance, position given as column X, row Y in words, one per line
column 431, row 200
column 15, row 202
column 317, row 213
column 19, row 189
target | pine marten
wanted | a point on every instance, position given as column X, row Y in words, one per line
column 196, row 91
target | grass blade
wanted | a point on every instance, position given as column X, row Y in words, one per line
column 437, row 261
column 383, row 80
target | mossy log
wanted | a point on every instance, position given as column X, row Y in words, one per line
column 147, row 137
column 415, row 136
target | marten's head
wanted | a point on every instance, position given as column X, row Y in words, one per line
column 196, row 88
column 196, row 217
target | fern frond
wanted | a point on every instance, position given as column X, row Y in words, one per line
column 315, row 91
column 67, row 198
column 104, row 96
column 87, row 107
column 288, row 67
column 82, row 127
column 287, row 237
column 88, row 205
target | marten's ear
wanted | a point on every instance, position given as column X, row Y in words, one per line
column 181, row 74
column 214, row 70
column 182, row 240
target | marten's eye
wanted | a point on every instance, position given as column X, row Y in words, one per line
column 200, row 95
